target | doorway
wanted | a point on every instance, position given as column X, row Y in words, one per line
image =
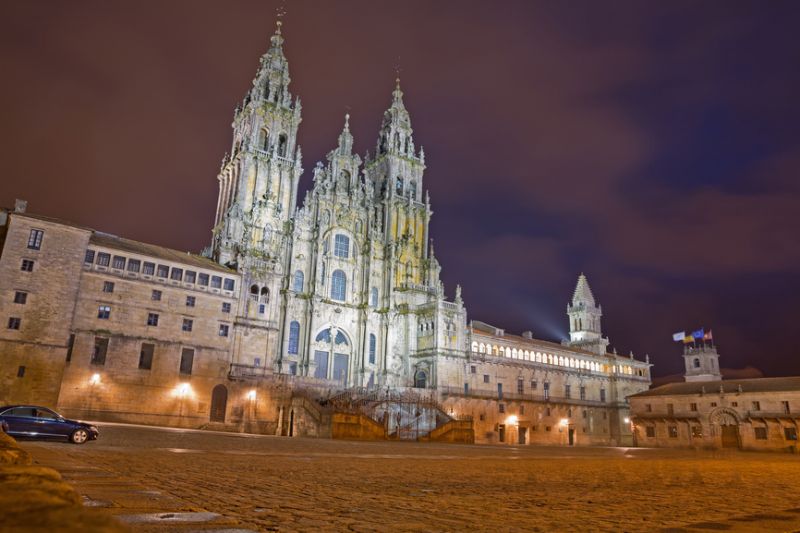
column 219, row 403
column 523, row 435
column 571, row 437
column 730, row 436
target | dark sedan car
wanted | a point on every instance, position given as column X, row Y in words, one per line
column 36, row 422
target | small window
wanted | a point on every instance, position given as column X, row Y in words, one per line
column 35, row 239
column 583, row 393
column 190, row 300
column 602, row 395
column 501, row 408
column 486, row 378
column 534, row 384
column 790, row 433
column 223, row 330
column 148, row 269
column 226, row 307
column 152, row 319
column 372, row 348
column 176, row 274
column 103, row 259
column 584, row 414
column 104, row 312
column 187, row 360
column 134, row 265
column 21, row 372
column 734, row 404
column 190, row 276
column 262, row 309
column 155, row 295
column 100, row 350
column 27, row 265
column 338, row 285
column 673, row 432
column 651, row 432
column 229, row 284
column 146, row 356
column 373, row 297
column 14, row 322
column 341, row 246
column 118, row 262
column 567, row 391
column 520, row 386
column 89, row 257
column 760, row 433
column 298, row 281
column 162, row 271
column 697, row 432
column 785, row 407
column 20, row 297
column 294, row 337
column 546, row 391
column 108, row 286
column 216, row 282
column 756, row 406
column 713, row 404
column 187, row 324
column 473, row 369
column 693, row 406
column 202, row 279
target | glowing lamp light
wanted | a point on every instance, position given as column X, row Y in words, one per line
column 627, row 420
column 251, row 395
column 95, row 379
column 564, row 422
column 512, row 420
column 183, row 390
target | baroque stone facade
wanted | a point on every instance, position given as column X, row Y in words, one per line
column 293, row 302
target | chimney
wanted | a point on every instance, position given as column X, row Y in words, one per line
column 527, row 334
column 20, row 205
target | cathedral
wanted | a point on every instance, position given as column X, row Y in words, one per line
column 323, row 317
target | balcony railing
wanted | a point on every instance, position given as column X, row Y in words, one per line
column 526, row 396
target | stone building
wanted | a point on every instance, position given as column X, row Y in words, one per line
column 756, row 414
column 290, row 302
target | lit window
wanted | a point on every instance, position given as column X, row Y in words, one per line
column 673, row 432
column 104, row 312
column 294, row 337
column 20, row 297
column 35, row 239
column 697, row 432
column 187, row 324
column 338, row 285
column 152, row 319
column 108, row 286
column 341, row 246
column 223, row 330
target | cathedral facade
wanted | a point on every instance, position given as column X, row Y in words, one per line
column 294, row 306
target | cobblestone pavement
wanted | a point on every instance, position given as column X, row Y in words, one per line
column 160, row 479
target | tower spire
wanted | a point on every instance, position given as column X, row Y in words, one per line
column 584, row 319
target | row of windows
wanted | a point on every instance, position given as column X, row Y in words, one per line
column 551, row 359
column 146, row 353
column 338, row 285
column 534, row 386
column 162, row 271
column 104, row 313
column 108, row 287
column 754, row 405
column 759, row 432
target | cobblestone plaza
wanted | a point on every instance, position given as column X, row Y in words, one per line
column 148, row 476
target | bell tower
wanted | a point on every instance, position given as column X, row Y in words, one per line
column 258, row 180
column 584, row 320
column 702, row 363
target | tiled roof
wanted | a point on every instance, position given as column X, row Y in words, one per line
column 152, row 250
column 791, row 383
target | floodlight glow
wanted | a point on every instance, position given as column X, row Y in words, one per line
column 251, row 395
column 564, row 421
column 95, row 379
column 512, row 420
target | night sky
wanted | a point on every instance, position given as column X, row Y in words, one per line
column 654, row 146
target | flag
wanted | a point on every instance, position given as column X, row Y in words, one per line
column 678, row 337
column 708, row 336
column 688, row 339
column 698, row 334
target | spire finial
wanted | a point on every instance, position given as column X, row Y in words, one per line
column 347, row 121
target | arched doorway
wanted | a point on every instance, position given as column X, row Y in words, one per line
column 421, row 379
column 728, row 422
column 219, row 403
column 332, row 345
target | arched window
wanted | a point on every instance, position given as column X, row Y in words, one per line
column 264, row 296
column 420, row 379
column 341, row 246
column 412, row 190
column 254, row 293
column 294, row 337
column 474, row 346
column 297, row 283
column 282, row 145
column 373, row 297
column 338, row 285
column 324, row 336
column 341, row 339
column 482, row 348
column 266, row 92
column 372, row 343
column 398, row 185
column 264, row 139
column 696, row 362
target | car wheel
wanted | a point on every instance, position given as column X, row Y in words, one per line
column 79, row 436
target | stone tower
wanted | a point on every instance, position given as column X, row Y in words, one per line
column 702, row 363
column 584, row 320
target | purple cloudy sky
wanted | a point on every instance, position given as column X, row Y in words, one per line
column 653, row 145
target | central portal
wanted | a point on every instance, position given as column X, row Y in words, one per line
column 331, row 345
